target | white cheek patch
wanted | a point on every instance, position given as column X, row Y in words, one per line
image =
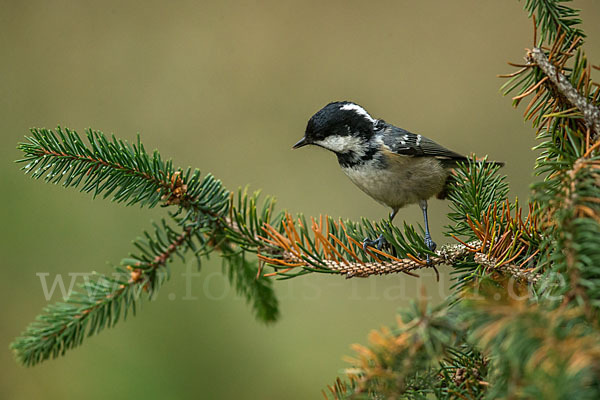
column 359, row 110
column 342, row 144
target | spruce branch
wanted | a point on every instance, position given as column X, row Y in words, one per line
column 244, row 275
column 406, row 359
column 103, row 167
column 576, row 211
column 295, row 248
column 515, row 271
column 334, row 262
column 547, row 352
column 132, row 176
column 565, row 111
column 552, row 17
column 100, row 302
column 476, row 188
column 591, row 113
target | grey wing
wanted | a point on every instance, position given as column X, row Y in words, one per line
column 403, row 142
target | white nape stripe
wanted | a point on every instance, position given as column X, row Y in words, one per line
column 359, row 110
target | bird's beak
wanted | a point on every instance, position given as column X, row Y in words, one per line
column 302, row 142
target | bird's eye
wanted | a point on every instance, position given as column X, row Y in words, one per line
column 379, row 125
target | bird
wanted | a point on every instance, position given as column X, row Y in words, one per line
column 393, row 166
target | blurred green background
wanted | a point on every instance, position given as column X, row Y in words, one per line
column 228, row 87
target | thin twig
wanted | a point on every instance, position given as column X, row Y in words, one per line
column 591, row 113
column 511, row 269
column 447, row 255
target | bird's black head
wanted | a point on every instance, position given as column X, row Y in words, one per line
column 342, row 127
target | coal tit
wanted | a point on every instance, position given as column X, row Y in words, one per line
column 393, row 166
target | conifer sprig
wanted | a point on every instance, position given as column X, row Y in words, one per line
column 565, row 110
column 533, row 350
column 552, row 17
column 103, row 300
column 476, row 187
column 103, row 167
column 590, row 112
column 131, row 175
column 406, row 359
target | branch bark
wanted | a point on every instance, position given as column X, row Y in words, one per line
column 447, row 255
column 591, row 113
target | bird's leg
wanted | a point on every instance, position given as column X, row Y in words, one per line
column 428, row 241
column 392, row 215
column 380, row 241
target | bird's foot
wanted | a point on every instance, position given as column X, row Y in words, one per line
column 377, row 243
column 430, row 245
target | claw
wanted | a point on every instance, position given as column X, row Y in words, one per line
column 430, row 243
column 377, row 243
